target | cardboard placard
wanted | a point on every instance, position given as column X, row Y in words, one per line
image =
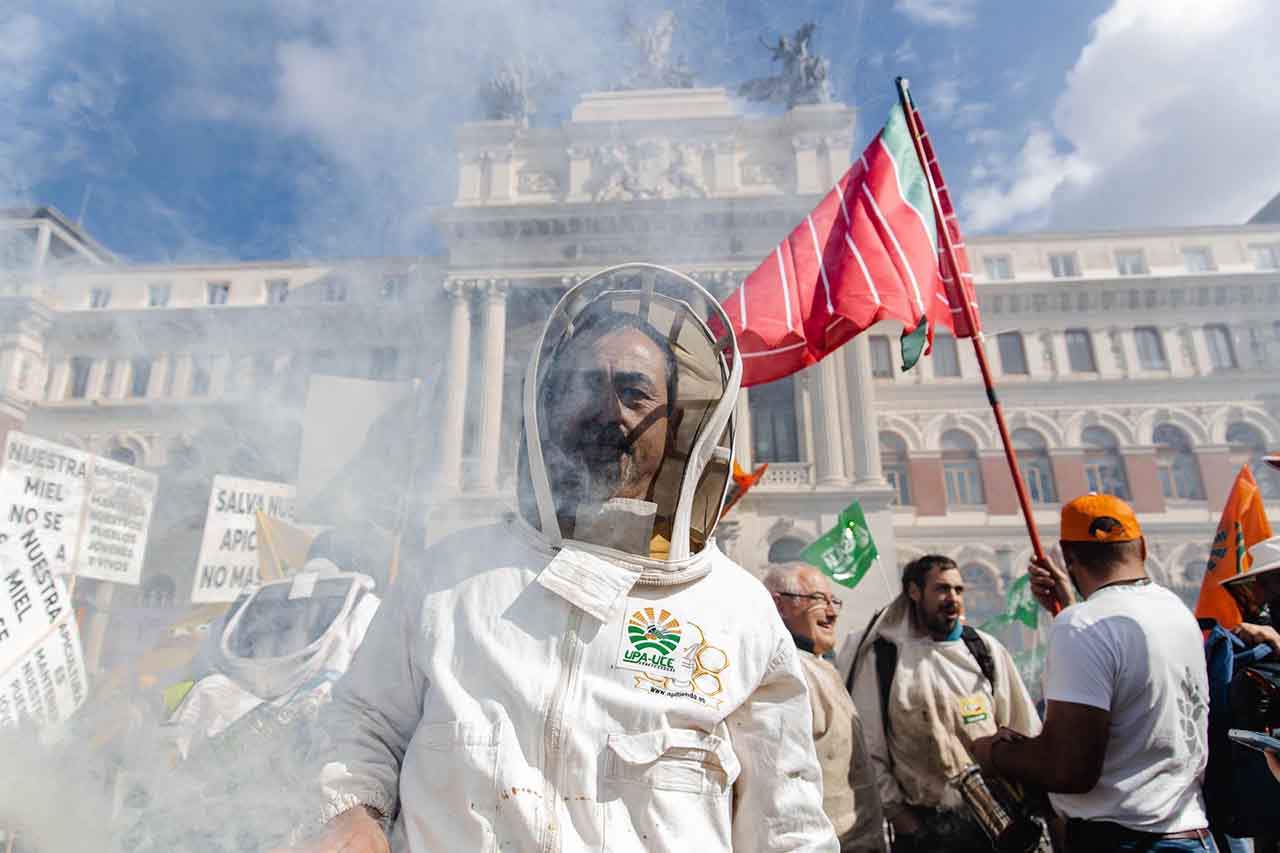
column 228, row 561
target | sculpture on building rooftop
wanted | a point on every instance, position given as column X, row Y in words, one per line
column 658, row 68
column 509, row 94
column 804, row 78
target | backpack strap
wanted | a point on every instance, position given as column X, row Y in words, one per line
column 857, row 653
column 981, row 653
column 886, row 654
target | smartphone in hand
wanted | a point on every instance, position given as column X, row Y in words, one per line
column 1255, row 740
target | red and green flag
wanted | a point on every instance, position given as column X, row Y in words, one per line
column 868, row 252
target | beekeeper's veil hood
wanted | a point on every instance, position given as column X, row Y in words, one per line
column 691, row 436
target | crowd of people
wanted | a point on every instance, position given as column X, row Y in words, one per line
column 593, row 673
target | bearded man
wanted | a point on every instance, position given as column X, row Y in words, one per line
column 927, row 686
column 592, row 673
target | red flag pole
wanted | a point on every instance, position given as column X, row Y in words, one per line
column 944, row 234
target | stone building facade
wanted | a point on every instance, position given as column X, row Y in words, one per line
column 1139, row 362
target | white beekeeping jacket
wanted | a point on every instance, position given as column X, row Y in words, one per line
column 527, row 690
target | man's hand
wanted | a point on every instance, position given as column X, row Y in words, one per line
column 357, row 830
column 984, row 747
column 1050, row 584
column 1273, row 761
column 1258, row 634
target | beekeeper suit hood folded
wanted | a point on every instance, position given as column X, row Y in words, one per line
column 629, row 415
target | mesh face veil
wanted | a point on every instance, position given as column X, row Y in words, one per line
column 629, row 414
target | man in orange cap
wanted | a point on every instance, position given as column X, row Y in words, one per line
column 1125, row 737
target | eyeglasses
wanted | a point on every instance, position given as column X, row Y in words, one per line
column 818, row 599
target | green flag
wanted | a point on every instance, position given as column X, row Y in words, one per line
column 1019, row 606
column 846, row 551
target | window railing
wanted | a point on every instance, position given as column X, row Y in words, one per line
column 788, row 475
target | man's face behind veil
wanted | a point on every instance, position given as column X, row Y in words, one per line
column 607, row 418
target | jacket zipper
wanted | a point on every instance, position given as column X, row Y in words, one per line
column 553, row 738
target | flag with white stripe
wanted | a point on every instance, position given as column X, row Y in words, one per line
column 868, row 252
column 949, row 311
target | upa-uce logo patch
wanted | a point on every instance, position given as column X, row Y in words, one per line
column 651, row 639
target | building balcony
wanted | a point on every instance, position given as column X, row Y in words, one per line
column 787, row 476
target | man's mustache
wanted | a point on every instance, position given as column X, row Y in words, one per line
column 598, row 440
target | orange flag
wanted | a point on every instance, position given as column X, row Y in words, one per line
column 742, row 483
column 1243, row 523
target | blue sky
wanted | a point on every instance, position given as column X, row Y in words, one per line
column 303, row 128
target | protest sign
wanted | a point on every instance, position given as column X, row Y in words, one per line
column 118, row 508
column 90, row 513
column 42, row 673
column 42, row 486
column 228, row 561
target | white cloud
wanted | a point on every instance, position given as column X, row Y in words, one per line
column 1166, row 118
column 940, row 13
column 943, row 99
column 905, row 53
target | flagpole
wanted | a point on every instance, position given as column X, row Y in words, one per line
column 944, row 234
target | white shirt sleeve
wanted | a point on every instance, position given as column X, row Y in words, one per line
column 1081, row 665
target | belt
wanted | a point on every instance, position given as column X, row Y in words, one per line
column 1107, row 829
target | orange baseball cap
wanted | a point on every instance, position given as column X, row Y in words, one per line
column 1080, row 517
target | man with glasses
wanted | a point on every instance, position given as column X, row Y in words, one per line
column 809, row 610
column 927, row 686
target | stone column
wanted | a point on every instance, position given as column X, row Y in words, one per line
column 725, row 159
column 1041, row 365
column 161, row 370
column 744, row 453
column 1061, row 361
column 61, row 379
column 864, row 426
column 455, row 406
column 1129, row 347
column 1181, row 359
column 1195, row 338
column 97, row 373
column 495, row 334
column 470, row 172
column 502, row 178
column 808, row 173
column 180, row 370
column 579, row 172
column 1109, row 353
column 828, row 440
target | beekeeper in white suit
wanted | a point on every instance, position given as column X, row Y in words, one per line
column 593, row 673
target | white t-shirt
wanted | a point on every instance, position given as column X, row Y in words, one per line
column 1136, row 651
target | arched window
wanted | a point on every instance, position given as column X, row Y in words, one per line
column 1103, row 466
column 1033, row 462
column 121, row 453
column 960, row 467
column 1179, row 470
column 982, row 598
column 786, row 550
column 775, row 435
column 1248, row 447
column 893, row 461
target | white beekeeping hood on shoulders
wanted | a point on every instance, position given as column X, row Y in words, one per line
column 687, row 493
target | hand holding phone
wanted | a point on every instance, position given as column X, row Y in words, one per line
column 1255, row 740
